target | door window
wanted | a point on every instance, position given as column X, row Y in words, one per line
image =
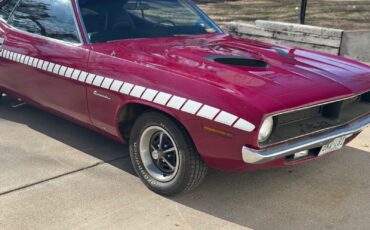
column 53, row 19
column 6, row 7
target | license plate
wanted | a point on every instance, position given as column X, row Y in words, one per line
column 332, row 146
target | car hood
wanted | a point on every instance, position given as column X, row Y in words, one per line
column 291, row 78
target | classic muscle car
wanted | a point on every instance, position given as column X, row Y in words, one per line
column 163, row 77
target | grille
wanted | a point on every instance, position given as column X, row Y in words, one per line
column 318, row 119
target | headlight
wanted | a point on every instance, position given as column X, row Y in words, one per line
column 266, row 129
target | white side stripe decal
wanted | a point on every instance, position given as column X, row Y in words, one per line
column 149, row 94
column 106, row 83
column 126, row 88
column 98, row 80
column 208, row 112
column 226, row 118
column 83, row 76
column 137, row 91
column 244, row 125
column 90, row 78
column 76, row 74
column 39, row 63
column 45, row 65
column 161, row 98
column 68, row 73
column 62, row 71
column 191, row 107
column 116, row 85
column 51, row 67
column 176, row 102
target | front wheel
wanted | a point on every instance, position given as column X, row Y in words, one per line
column 164, row 156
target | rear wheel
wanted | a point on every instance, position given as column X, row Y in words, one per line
column 164, row 156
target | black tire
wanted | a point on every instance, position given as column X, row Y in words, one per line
column 191, row 168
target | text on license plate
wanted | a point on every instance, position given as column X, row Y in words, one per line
column 332, row 146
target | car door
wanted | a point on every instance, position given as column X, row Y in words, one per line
column 43, row 57
column 6, row 7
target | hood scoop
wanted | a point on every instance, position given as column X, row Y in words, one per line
column 237, row 61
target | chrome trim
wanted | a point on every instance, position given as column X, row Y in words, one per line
column 313, row 133
column 253, row 156
column 151, row 155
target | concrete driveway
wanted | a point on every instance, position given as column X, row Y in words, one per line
column 57, row 175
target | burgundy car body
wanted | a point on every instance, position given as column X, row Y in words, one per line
column 177, row 66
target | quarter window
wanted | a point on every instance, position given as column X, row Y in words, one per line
column 53, row 19
column 6, row 7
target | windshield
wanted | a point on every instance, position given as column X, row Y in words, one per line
column 126, row 19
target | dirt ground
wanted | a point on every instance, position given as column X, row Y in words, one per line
column 341, row 14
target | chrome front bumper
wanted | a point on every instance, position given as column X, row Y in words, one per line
column 253, row 156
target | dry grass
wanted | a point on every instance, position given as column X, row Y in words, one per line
column 348, row 15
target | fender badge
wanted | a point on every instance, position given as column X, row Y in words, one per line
column 96, row 93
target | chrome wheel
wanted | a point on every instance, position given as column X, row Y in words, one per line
column 159, row 153
column 163, row 154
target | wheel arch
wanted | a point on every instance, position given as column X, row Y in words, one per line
column 130, row 111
